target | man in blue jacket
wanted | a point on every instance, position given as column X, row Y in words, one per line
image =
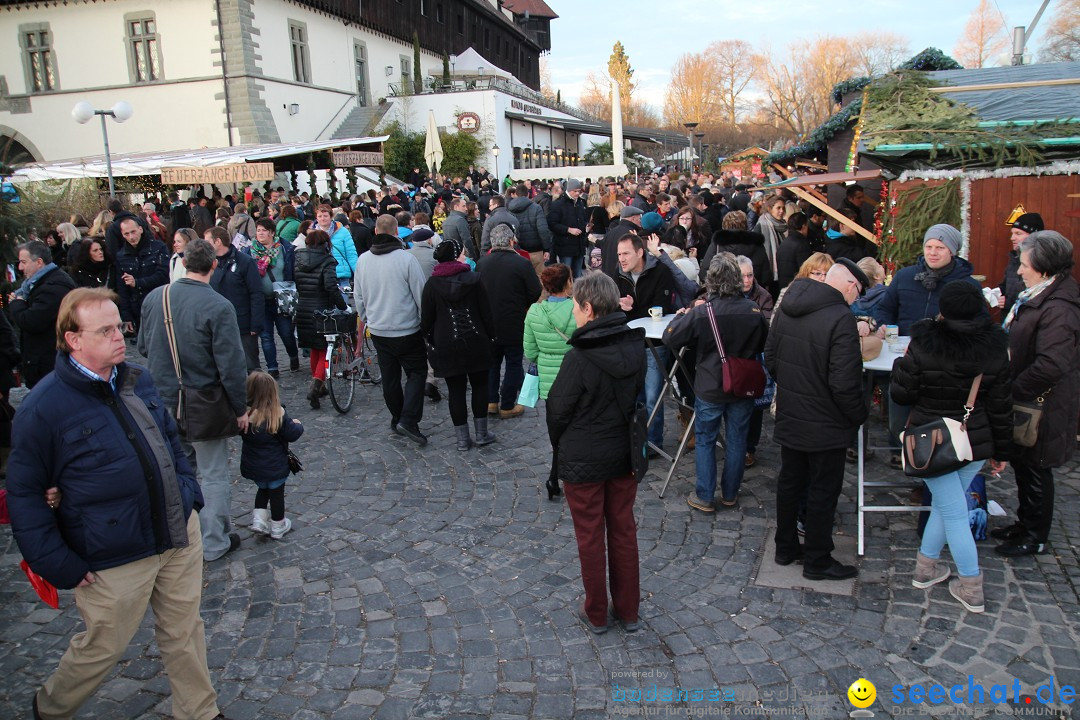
column 123, row 533
column 237, row 279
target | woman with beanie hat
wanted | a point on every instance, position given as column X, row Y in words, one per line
column 455, row 318
column 946, row 357
column 913, row 295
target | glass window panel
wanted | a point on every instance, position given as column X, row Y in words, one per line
column 140, row 62
column 151, row 28
column 151, row 50
column 136, row 28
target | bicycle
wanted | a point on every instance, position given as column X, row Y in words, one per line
column 350, row 356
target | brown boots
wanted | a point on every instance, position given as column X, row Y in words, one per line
column 969, row 591
column 929, row 572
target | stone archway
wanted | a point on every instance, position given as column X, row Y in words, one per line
column 16, row 149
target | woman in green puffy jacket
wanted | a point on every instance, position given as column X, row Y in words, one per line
column 287, row 225
column 549, row 324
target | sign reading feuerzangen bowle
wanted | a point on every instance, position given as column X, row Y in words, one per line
column 357, row 158
column 238, row 173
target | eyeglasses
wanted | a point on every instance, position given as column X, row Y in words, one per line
column 817, row 274
column 107, row 331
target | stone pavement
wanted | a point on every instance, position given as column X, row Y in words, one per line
column 432, row 583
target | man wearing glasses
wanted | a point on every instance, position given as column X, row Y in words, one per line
column 126, row 532
column 813, row 353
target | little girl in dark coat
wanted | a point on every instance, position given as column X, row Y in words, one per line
column 265, row 455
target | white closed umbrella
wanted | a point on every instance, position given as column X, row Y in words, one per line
column 433, row 153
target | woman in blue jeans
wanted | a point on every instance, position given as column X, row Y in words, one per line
column 742, row 329
column 947, row 356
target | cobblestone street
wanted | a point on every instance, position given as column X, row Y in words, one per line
column 432, row 583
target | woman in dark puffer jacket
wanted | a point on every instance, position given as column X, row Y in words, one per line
column 315, row 273
column 588, row 411
column 935, row 377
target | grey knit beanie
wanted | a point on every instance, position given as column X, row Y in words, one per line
column 948, row 235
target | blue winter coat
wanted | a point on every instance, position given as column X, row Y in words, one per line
column 75, row 433
column 343, row 250
column 906, row 301
column 237, row 279
column 264, row 457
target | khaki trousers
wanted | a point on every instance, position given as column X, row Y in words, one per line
column 113, row 607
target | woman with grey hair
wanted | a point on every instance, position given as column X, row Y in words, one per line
column 741, row 328
column 1044, row 350
column 589, row 410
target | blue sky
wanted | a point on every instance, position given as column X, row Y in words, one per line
column 655, row 33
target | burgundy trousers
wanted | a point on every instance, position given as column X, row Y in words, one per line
column 605, row 511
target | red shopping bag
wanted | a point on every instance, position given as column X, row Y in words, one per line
column 45, row 589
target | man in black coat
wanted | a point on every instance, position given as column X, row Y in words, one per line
column 237, row 278
column 629, row 223
column 813, row 352
column 645, row 282
column 795, row 250
column 113, row 235
column 567, row 220
column 142, row 264
column 34, row 308
column 512, row 287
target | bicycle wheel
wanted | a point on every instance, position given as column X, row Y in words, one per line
column 342, row 380
column 369, row 367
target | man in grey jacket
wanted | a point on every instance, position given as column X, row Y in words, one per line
column 210, row 352
column 498, row 215
column 456, row 227
column 387, row 289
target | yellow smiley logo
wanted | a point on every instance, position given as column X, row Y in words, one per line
column 862, row 693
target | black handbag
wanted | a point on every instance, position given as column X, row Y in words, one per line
column 201, row 414
column 940, row 446
column 295, row 465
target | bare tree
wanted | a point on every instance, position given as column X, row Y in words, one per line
column 798, row 85
column 736, row 68
column 1061, row 43
column 692, row 94
column 595, row 100
column 877, row 52
column 546, row 88
column 984, row 38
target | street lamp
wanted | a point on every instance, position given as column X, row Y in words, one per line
column 495, row 152
column 701, row 150
column 83, row 112
column 690, row 150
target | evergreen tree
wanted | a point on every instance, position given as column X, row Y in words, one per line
column 418, row 76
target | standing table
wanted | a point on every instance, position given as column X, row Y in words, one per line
column 882, row 363
column 654, row 333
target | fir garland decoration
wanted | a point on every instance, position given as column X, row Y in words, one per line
column 331, row 179
column 849, row 86
column 929, row 60
column 311, row 174
column 350, row 180
column 910, row 212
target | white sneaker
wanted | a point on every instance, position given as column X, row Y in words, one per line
column 260, row 518
column 278, row 528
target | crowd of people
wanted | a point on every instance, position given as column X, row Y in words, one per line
column 464, row 283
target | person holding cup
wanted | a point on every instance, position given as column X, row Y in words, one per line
column 645, row 282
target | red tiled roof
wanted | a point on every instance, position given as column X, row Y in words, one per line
column 536, row 8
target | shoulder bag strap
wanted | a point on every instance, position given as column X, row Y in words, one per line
column 167, row 306
column 715, row 332
column 564, row 336
column 970, row 404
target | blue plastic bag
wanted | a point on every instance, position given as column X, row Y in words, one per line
column 530, row 388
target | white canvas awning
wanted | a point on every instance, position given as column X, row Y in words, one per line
column 150, row 163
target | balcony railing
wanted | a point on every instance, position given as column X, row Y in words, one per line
column 435, row 85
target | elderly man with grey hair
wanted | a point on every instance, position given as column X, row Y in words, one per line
column 512, row 287
column 814, row 355
column 726, row 316
column 35, row 306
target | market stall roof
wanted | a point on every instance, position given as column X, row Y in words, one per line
column 290, row 156
column 1017, row 92
column 826, row 179
column 603, row 129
